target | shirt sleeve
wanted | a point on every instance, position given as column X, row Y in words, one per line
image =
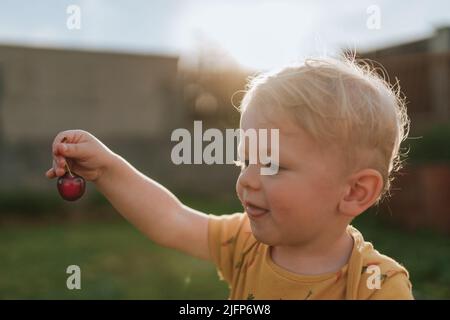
column 225, row 242
column 397, row 287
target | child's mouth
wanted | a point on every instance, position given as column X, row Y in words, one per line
column 254, row 211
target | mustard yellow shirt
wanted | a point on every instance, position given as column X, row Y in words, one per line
column 246, row 265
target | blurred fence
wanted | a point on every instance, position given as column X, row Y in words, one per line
column 425, row 81
column 131, row 102
column 421, row 198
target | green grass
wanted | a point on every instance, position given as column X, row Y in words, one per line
column 117, row 262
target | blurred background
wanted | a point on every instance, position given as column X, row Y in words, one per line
column 131, row 72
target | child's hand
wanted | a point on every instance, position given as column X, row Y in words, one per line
column 154, row 210
column 84, row 153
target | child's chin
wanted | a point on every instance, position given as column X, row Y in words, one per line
column 263, row 237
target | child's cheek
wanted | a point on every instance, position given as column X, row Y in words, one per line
column 281, row 199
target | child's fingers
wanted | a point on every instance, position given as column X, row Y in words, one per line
column 59, row 148
column 71, row 150
column 61, row 162
column 65, row 145
column 68, row 137
column 50, row 173
column 58, row 162
column 60, row 138
column 60, row 172
column 63, row 152
column 59, row 166
column 63, row 137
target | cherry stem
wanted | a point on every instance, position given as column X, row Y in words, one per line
column 67, row 165
column 68, row 169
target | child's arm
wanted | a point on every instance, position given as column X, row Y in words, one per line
column 149, row 206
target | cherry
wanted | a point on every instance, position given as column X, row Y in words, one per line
column 71, row 186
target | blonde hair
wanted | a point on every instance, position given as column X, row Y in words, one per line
column 343, row 103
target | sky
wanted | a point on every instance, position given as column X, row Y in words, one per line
column 256, row 34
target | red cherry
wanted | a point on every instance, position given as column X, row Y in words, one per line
column 71, row 186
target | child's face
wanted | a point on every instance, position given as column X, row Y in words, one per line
column 301, row 200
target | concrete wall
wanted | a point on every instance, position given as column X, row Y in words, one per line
column 45, row 91
column 423, row 69
column 131, row 102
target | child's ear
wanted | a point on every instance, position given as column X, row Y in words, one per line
column 362, row 190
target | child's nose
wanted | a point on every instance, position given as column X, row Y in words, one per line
column 250, row 177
